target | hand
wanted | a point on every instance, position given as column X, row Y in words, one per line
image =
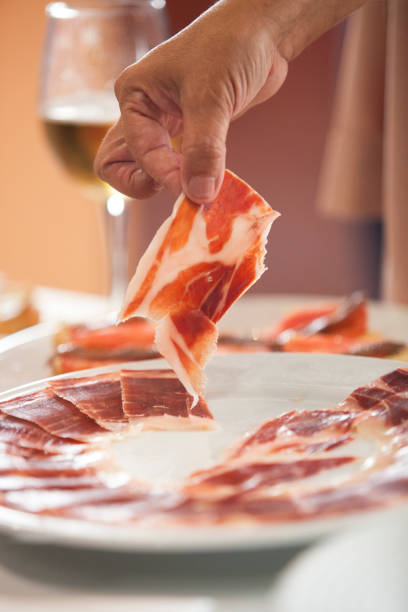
column 190, row 88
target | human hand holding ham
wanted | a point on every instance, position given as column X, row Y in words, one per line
column 191, row 87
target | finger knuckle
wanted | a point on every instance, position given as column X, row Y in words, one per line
column 121, row 84
column 206, row 148
column 129, row 84
column 100, row 170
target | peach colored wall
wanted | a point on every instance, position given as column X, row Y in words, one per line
column 50, row 234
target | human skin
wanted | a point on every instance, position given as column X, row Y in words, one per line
column 190, row 88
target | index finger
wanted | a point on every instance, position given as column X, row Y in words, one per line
column 149, row 141
column 114, row 164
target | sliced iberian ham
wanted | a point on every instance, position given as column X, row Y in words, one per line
column 200, row 261
column 27, row 435
column 21, row 481
column 275, row 473
column 39, row 463
column 53, row 500
column 307, row 431
column 386, row 397
column 156, row 399
column 53, row 414
column 99, row 397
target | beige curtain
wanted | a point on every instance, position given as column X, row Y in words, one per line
column 365, row 167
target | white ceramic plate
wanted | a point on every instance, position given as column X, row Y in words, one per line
column 243, row 391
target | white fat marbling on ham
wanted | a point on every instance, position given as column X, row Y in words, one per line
column 201, row 259
column 245, row 230
column 172, row 423
column 167, row 338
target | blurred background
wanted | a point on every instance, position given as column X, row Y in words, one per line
column 51, row 234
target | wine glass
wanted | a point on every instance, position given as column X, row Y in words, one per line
column 87, row 45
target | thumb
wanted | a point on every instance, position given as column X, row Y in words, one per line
column 203, row 151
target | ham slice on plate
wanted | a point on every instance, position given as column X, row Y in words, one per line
column 54, row 499
column 28, row 435
column 99, row 397
column 155, row 399
column 199, row 262
column 308, row 432
column 37, row 463
column 53, row 414
column 277, row 472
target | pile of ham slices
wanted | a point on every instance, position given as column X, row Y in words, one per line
column 55, row 457
column 55, row 442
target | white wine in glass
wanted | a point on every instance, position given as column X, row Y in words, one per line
column 75, row 129
column 87, row 45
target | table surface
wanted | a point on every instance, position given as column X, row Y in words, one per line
column 36, row 577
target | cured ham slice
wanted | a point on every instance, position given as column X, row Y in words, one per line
column 317, row 429
column 40, row 464
column 249, row 476
column 55, row 499
column 155, row 399
column 60, row 480
column 347, row 319
column 200, row 261
column 71, row 358
column 140, row 505
column 30, row 436
column 80, row 346
column 137, row 332
column 276, row 473
column 99, row 397
column 387, row 397
column 340, row 327
column 247, row 484
column 54, row 415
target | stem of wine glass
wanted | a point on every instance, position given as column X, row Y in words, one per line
column 116, row 215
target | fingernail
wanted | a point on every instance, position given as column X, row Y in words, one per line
column 201, row 187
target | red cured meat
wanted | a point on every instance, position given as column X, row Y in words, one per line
column 256, row 475
column 387, row 396
column 64, row 363
column 305, row 423
column 137, row 332
column 155, row 399
column 54, row 415
column 397, row 381
column 351, row 323
column 135, row 507
column 59, row 480
column 338, row 344
column 309, row 448
column 71, row 359
column 319, row 343
column 200, row 261
column 56, row 499
column 36, row 463
column 28, row 435
column 263, row 478
column 99, row 397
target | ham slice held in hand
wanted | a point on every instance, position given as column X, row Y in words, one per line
column 199, row 262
